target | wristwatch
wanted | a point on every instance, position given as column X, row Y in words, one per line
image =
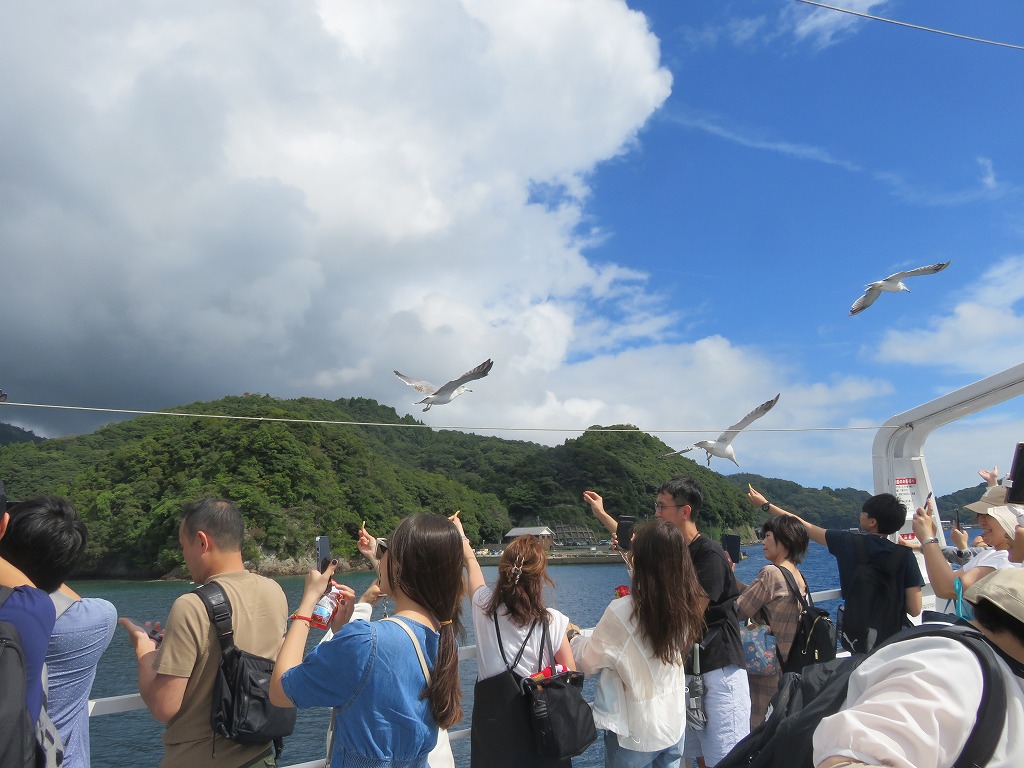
column 766, row 506
column 932, row 540
column 570, row 633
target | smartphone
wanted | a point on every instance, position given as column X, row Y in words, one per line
column 624, row 531
column 323, row 552
column 731, row 544
column 956, row 519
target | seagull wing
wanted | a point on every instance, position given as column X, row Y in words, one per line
column 420, row 386
column 865, row 301
column 687, row 449
column 729, row 435
column 477, row 373
column 929, row 270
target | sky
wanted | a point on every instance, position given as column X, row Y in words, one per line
column 645, row 213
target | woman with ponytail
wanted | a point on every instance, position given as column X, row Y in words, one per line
column 511, row 622
column 640, row 646
column 387, row 707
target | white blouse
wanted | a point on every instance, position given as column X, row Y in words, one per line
column 639, row 697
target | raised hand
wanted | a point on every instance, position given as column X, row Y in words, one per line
column 990, row 476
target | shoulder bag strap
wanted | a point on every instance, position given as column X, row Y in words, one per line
column 546, row 643
column 5, row 592
column 219, row 609
column 416, row 644
column 806, row 601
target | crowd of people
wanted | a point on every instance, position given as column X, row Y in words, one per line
column 672, row 682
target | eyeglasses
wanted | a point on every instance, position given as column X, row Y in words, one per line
column 659, row 507
column 382, row 547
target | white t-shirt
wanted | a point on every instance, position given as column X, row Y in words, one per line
column 989, row 558
column 488, row 655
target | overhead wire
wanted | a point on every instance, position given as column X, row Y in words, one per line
column 911, row 26
column 419, row 425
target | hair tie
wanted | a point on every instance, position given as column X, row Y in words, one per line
column 517, row 571
column 446, row 623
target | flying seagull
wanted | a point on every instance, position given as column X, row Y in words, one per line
column 891, row 284
column 448, row 392
column 722, row 447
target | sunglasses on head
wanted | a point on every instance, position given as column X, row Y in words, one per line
column 382, row 547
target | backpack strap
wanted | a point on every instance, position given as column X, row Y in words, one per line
column 522, row 648
column 416, row 644
column 218, row 607
column 806, row 601
column 991, row 717
column 5, row 592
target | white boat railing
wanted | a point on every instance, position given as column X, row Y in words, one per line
column 131, row 702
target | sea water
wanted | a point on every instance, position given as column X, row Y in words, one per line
column 582, row 592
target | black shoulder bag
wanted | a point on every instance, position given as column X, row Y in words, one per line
column 563, row 723
column 241, row 709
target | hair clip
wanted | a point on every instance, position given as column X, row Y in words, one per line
column 516, row 571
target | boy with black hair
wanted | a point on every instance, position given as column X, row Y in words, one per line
column 44, row 539
column 879, row 580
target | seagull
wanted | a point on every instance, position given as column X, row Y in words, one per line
column 891, row 284
column 448, row 392
column 722, row 447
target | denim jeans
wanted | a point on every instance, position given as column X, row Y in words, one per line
column 616, row 756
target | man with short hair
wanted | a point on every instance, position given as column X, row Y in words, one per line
column 726, row 693
column 45, row 538
column 177, row 675
column 32, row 614
column 914, row 703
column 881, row 516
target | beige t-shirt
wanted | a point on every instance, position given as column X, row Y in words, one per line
column 190, row 649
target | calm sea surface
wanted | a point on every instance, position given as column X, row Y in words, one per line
column 582, row 592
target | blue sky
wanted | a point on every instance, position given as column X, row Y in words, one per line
column 648, row 213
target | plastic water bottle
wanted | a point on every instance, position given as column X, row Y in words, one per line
column 325, row 609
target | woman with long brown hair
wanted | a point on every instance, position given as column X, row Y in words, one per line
column 640, row 647
column 392, row 683
column 514, row 630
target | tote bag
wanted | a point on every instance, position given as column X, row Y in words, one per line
column 759, row 651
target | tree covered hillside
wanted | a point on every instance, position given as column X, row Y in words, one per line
column 296, row 480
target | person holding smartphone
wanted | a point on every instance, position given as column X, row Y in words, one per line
column 727, row 697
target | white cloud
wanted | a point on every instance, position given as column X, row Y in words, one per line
column 982, row 334
column 824, row 27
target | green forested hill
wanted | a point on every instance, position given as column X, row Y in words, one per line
column 296, row 480
column 11, row 434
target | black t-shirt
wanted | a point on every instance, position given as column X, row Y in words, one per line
column 879, row 548
column 721, row 644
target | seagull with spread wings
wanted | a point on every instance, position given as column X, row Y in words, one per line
column 722, row 447
column 892, row 284
column 448, row 392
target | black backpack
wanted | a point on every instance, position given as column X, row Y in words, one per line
column 18, row 735
column 815, row 638
column 784, row 739
column 23, row 744
column 874, row 608
column 241, row 709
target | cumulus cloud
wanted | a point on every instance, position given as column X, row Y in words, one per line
column 982, row 334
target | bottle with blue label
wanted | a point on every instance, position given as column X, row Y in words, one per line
column 325, row 609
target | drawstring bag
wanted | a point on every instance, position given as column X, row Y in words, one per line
column 759, row 650
column 563, row 723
